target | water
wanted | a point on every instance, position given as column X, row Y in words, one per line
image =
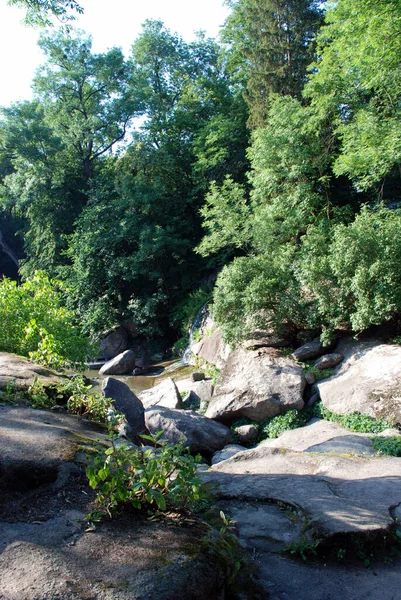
column 196, row 323
column 139, row 383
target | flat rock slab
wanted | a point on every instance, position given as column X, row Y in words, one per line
column 340, row 495
column 164, row 394
column 322, row 436
column 22, row 372
column 34, row 444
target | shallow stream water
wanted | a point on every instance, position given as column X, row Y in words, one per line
column 178, row 370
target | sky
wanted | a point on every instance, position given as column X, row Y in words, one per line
column 110, row 22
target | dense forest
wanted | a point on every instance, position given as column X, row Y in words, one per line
column 261, row 171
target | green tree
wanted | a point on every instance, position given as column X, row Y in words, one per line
column 273, row 42
column 40, row 12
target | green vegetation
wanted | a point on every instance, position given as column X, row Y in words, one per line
column 354, row 421
column 163, row 477
column 35, row 324
column 389, row 446
column 271, row 176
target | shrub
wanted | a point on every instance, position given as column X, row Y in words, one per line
column 162, row 477
column 35, row 324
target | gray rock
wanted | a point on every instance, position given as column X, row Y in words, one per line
column 266, row 339
column 188, row 428
column 164, row 394
column 227, row 452
column 127, row 403
column 310, row 378
column 203, row 389
column 312, row 400
column 247, row 433
column 212, row 349
column 256, row 385
column 367, row 381
column 197, row 376
column 113, row 343
column 329, row 361
column 310, row 350
column 21, row 372
column 122, row 364
column 340, row 495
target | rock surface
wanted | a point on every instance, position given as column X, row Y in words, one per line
column 113, row 343
column 188, row 428
column 123, row 364
column 126, row 403
column 226, row 453
column 256, row 385
column 310, row 350
column 212, row 349
column 368, row 381
column 328, row 361
column 45, row 552
column 164, row 394
column 21, row 372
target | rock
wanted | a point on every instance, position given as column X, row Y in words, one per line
column 114, row 342
column 188, row 428
column 328, row 361
column 247, row 433
column 270, row 339
column 322, row 436
column 212, row 349
column 312, row 400
column 339, row 495
column 310, row 350
column 127, row 403
column 227, row 452
column 46, row 550
column 203, row 389
column 164, row 394
column 21, row 372
column 367, row 381
column 310, row 378
column 122, row 364
column 197, row 376
column 256, row 385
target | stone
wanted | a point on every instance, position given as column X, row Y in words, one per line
column 212, row 349
column 226, row 452
column 367, row 381
column 203, row 389
column 338, row 494
column 21, row 372
column 188, row 428
column 164, row 394
column 256, row 385
column 47, row 549
column 197, row 376
column 310, row 350
column 312, row 400
column 123, row 364
column 125, row 401
column 247, row 433
column 329, row 361
column 269, row 339
column 113, row 342
column 310, row 378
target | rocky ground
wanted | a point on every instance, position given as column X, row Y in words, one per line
column 316, row 510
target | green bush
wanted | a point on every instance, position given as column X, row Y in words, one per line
column 161, row 478
column 390, row 446
column 35, row 324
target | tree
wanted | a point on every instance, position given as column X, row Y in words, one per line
column 355, row 85
column 39, row 12
column 273, row 41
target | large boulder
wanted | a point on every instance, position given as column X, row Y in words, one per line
column 164, row 394
column 367, row 381
column 113, row 343
column 189, row 429
column 256, row 385
column 123, row 364
column 212, row 349
column 21, row 372
column 126, row 403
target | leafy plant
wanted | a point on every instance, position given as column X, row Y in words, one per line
column 83, row 401
column 354, row 421
column 39, row 396
column 390, row 446
column 162, row 478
